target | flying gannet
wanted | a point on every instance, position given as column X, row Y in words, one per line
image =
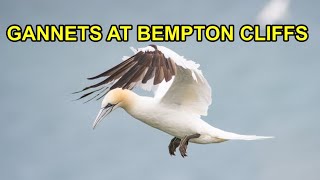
column 181, row 96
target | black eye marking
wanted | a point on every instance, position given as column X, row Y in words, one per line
column 109, row 105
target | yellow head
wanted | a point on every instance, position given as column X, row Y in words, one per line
column 115, row 98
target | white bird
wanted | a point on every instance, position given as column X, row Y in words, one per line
column 181, row 96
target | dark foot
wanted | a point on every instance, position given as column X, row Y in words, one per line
column 174, row 143
column 184, row 144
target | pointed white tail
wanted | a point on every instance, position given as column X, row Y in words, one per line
column 233, row 136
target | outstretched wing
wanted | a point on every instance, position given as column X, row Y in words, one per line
column 176, row 80
column 148, row 67
column 189, row 89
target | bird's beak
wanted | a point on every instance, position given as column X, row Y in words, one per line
column 102, row 114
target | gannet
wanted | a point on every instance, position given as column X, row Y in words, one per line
column 181, row 96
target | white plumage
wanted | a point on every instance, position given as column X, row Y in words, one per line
column 179, row 101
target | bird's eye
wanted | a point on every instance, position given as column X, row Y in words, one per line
column 109, row 105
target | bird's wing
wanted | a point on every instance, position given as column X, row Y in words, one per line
column 189, row 89
column 174, row 79
column 147, row 68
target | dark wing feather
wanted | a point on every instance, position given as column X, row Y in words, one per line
column 126, row 77
column 149, row 74
column 139, row 68
column 172, row 66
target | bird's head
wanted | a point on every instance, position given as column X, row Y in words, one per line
column 115, row 98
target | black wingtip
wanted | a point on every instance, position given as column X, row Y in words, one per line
column 87, row 101
column 80, row 90
column 91, row 78
column 77, row 92
column 77, row 99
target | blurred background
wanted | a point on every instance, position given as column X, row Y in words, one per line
column 258, row 88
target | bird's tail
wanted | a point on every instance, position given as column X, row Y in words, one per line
column 233, row 136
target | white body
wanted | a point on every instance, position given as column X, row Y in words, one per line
column 177, row 122
column 177, row 106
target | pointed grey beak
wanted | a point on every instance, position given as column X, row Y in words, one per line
column 102, row 114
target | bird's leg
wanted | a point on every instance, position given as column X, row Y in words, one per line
column 184, row 144
column 174, row 143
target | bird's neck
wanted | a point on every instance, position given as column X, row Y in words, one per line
column 129, row 98
column 132, row 101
